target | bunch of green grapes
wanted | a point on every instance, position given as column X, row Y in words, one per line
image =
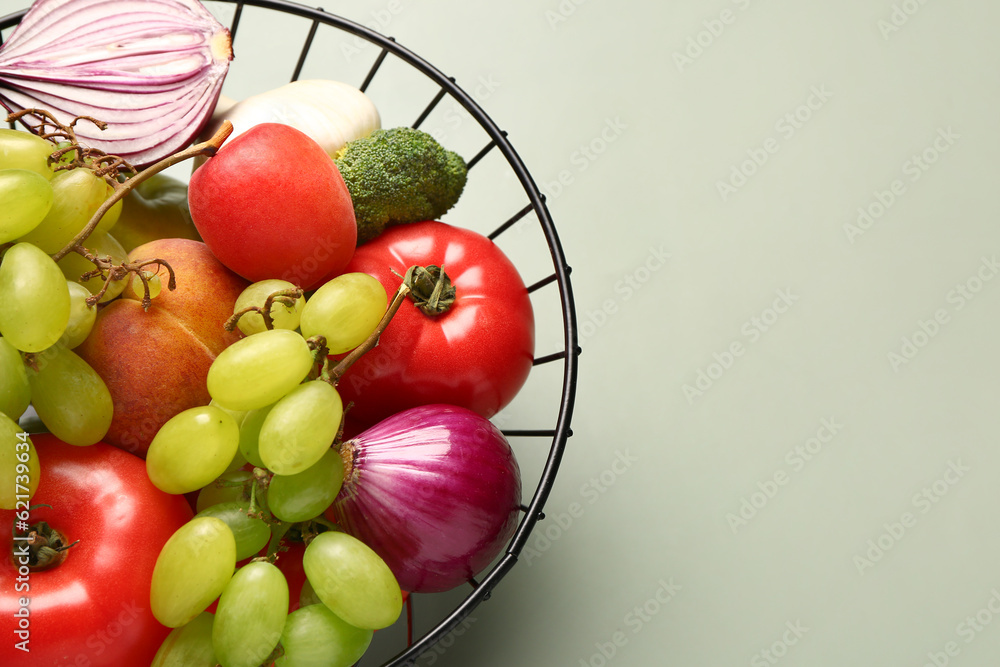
column 261, row 457
column 44, row 309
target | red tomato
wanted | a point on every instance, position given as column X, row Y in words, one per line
column 290, row 564
column 476, row 355
column 93, row 609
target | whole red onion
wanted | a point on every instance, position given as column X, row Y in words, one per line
column 434, row 490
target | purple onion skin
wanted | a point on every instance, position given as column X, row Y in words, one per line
column 153, row 71
column 434, row 490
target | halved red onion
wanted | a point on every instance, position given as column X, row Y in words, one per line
column 151, row 69
column 434, row 490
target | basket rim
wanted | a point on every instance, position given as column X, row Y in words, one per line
column 561, row 432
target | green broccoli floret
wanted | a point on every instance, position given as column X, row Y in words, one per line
column 399, row 175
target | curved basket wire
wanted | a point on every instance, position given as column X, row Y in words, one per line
column 559, row 430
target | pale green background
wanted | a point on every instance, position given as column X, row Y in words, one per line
column 558, row 75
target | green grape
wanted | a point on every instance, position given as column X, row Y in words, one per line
column 238, row 416
column 15, row 392
column 189, row 645
column 251, row 533
column 152, row 279
column 70, row 397
column 81, row 316
column 352, row 581
column 78, row 194
column 259, row 369
column 74, row 265
column 250, row 616
column 34, row 299
column 23, row 150
column 300, row 428
column 250, row 435
column 19, row 469
column 283, row 317
column 229, row 487
column 345, row 311
column 192, row 569
column 307, row 595
column 192, row 449
column 25, row 200
column 300, row 497
column 238, row 461
column 316, row 637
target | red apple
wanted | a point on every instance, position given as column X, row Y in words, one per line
column 272, row 204
column 155, row 362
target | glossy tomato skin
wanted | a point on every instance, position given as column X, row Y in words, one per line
column 477, row 355
column 290, row 563
column 93, row 609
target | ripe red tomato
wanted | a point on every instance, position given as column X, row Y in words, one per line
column 476, row 355
column 290, row 564
column 93, row 608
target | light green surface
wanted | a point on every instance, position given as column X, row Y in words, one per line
column 833, row 307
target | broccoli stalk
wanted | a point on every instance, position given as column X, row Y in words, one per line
column 399, row 175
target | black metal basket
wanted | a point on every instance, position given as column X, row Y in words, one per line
column 559, row 430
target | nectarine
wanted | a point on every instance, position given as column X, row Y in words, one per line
column 155, row 362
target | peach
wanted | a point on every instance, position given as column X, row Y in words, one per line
column 155, row 362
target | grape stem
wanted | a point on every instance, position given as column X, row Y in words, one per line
column 333, row 375
column 278, row 532
column 278, row 651
column 206, row 148
column 117, row 272
column 286, row 297
column 106, row 166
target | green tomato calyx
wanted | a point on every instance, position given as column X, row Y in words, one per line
column 43, row 548
column 430, row 288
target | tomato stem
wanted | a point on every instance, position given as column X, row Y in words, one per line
column 430, row 289
column 45, row 547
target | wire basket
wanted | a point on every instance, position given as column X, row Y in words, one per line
column 558, row 429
